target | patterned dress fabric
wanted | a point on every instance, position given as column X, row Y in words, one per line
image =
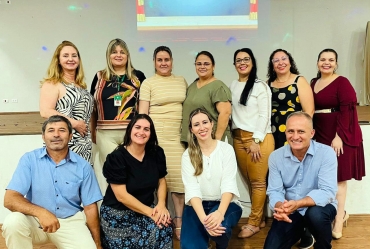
column 284, row 101
column 166, row 95
column 78, row 104
column 104, row 92
column 143, row 233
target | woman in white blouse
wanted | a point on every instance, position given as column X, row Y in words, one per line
column 211, row 195
column 253, row 140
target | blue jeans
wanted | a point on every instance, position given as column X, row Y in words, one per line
column 193, row 232
column 283, row 235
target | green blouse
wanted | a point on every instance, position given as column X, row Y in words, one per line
column 205, row 97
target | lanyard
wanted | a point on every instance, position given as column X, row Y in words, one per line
column 118, row 98
column 120, row 80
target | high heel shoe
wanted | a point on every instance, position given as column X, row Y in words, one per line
column 339, row 235
column 336, row 235
column 345, row 219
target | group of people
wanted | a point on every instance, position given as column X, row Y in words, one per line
column 157, row 135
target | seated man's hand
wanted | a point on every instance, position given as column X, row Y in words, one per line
column 49, row 222
column 280, row 213
column 290, row 206
column 281, row 216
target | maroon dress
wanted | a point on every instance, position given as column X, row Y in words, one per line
column 339, row 94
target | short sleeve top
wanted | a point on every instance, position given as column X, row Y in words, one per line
column 59, row 188
column 104, row 92
column 205, row 97
column 165, row 94
column 140, row 177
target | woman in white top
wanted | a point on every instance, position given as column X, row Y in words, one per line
column 253, row 140
column 211, row 195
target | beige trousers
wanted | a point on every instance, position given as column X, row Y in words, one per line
column 22, row 231
column 106, row 142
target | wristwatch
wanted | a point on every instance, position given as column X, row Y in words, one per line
column 256, row 140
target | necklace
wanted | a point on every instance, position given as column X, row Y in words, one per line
column 72, row 82
column 278, row 80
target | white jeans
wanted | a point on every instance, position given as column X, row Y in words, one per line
column 21, row 231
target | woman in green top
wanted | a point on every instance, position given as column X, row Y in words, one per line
column 208, row 93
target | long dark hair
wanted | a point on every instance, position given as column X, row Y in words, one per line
column 209, row 55
column 326, row 50
column 152, row 143
column 252, row 75
column 271, row 74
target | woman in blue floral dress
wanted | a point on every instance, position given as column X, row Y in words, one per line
column 134, row 171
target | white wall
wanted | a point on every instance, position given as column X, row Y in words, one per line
column 302, row 27
column 12, row 148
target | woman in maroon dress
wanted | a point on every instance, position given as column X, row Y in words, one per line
column 336, row 125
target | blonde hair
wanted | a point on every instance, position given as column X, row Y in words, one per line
column 195, row 153
column 55, row 71
column 109, row 70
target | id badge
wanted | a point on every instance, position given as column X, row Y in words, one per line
column 117, row 100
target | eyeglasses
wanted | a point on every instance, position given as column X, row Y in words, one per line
column 277, row 60
column 245, row 60
column 205, row 64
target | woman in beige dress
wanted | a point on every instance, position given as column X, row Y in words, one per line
column 161, row 96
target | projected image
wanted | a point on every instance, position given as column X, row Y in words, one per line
column 196, row 14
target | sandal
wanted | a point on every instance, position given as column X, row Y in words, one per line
column 175, row 228
column 247, row 232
